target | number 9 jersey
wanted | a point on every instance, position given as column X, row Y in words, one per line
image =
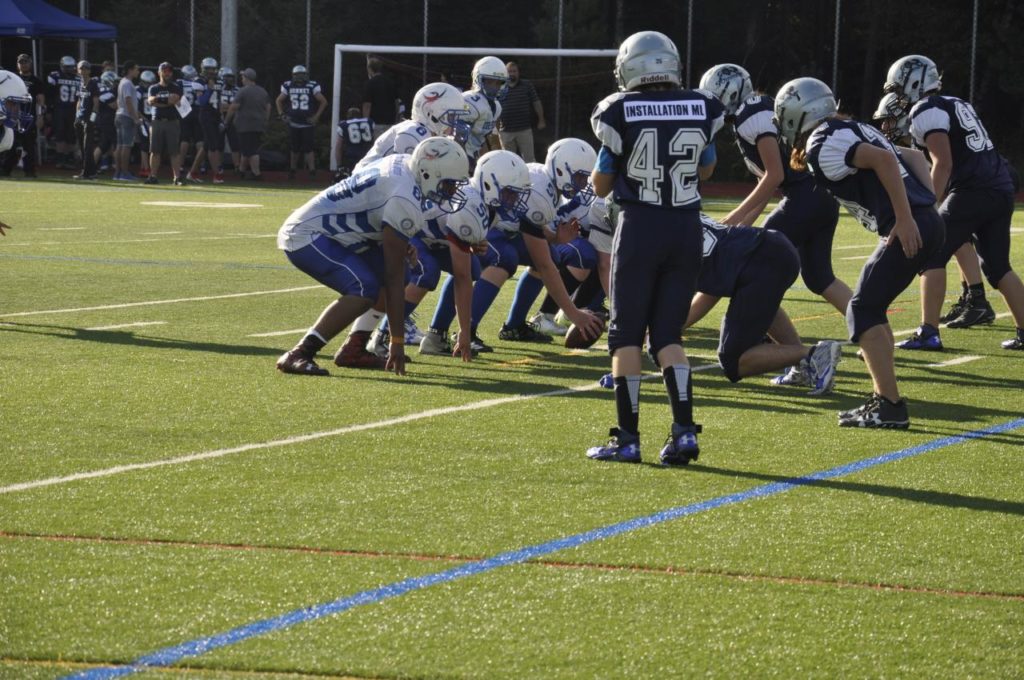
column 655, row 139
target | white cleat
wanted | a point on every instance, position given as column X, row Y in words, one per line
column 547, row 324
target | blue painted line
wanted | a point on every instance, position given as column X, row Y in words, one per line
column 199, row 646
column 148, row 263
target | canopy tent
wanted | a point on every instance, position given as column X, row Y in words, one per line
column 36, row 19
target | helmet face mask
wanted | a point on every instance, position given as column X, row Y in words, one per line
column 442, row 110
column 503, row 181
column 300, row 74
column 569, row 163
column 913, row 76
column 209, row 66
column 647, row 58
column 440, row 167
column 893, row 116
column 188, row 72
column 67, row 65
column 490, row 77
column 15, row 103
column 800, row 106
column 729, row 83
column 225, row 73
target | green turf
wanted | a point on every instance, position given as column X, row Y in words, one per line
column 784, row 585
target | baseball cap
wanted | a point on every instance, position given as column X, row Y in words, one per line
column 165, row 64
column 249, row 73
column 84, row 65
column 24, row 59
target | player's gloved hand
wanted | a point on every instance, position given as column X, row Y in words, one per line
column 586, row 321
column 462, row 346
column 396, row 356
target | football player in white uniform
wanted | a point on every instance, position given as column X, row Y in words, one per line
column 354, row 236
column 490, row 78
column 15, row 108
column 437, row 110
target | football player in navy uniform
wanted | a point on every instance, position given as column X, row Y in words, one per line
column 191, row 132
column 106, row 131
column 652, row 135
column 146, row 80
column 86, row 114
column 807, row 214
column 63, row 96
column 976, row 191
column 230, row 136
column 867, row 175
column 208, row 116
column 355, row 136
column 295, row 106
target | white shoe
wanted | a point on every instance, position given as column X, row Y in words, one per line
column 796, row 376
column 436, row 343
column 413, row 335
column 562, row 320
column 822, row 364
column 547, row 325
column 379, row 343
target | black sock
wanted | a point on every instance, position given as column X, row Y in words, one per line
column 627, row 405
column 976, row 292
column 680, row 396
column 312, row 343
column 588, row 290
column 549, row 306
column 927, row 329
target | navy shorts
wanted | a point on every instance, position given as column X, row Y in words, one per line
column 64, row 124
column 213, row 138
column 340, row 268
column 191, row 132
column 762, row 282
column 579, row 253
column 301, row 139
column 808, row 216
column 656, row 257
column 888, row 272
column 983, row 215
column 432, row 261
column 506, row 250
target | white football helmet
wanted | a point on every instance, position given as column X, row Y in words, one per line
column 148, row 77
column 68, row 65
column 913, row 76
column 569, row 163
column 441, row 169
column 188, row 71
column 209, row 66
column 801, row 105
column 109, row 79
column 441, row 108
column 893, row 116
column 490, row 68
column 15, row 102
column 647, row 57
column 226, row 72
column 503, row 181
column 730, row 83
column 469, row 224
column 300, row 74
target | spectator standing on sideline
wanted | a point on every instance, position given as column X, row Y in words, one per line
column 28, row 139
column 63, row 86
column 250, row 112
column 379, row 98
column 518, row 106
column 165, row 131
column 147, row 79
column 127, row 120
column 88, row 101
column 227, row 96
column 295, row 106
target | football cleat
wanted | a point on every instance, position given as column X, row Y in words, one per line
column 435, row 342
column 922, row 339
column 681, row 446
column 822, row 363
column 877, row 412
column 477, row 345
column 1015, row 343
column 796, row 376
column 379, row 341
column 956, row 309
column 619, row 449
column 413, row 335
column 353, row 353
column 545, row 323
column 298, row 363
column 527, row 332
column 976, row 312
column 192, row 179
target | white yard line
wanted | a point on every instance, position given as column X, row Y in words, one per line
column 147, row 303
column 61, row 228
column 856, row 247
column 159, row 233
column 856, row 257
column 134, row 324
column 956, row 362
column 199, row 204
column 274, row 334
column 313, row 436
column 139, row 240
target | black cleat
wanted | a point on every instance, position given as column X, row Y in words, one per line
column 977, row 312
column 877, row 412
column 297, row 363
column 527, row 332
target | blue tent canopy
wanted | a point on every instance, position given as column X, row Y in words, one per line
column 36, row 19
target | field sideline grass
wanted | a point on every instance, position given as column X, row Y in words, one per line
column 913, row 568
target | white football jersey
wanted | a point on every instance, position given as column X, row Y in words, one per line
column 400, row 138
column 438, row 223
column 540, row 205
column 601, row 221
column 354, row 211
column 481, row 118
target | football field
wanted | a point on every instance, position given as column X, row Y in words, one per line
column 172, row 506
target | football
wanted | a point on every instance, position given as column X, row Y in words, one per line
column 574, row 338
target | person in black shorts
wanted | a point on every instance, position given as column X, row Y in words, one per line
column 63, row 95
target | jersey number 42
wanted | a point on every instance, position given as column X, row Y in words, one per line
column 646, row 167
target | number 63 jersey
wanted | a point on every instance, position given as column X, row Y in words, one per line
column 657, row 138
column 354, row 211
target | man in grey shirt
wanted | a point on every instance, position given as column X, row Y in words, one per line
column 250, row 112
column 126, row 121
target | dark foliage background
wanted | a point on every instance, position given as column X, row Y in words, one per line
column 774, row 39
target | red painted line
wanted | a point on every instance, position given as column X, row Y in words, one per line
column 428, row 557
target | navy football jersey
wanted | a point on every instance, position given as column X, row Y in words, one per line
column 209, row 98
column 657, row 138
column 301, row 101
column 108, row 104
column 357, row 137
column 830, row 150
column 63, row 89
column 726, row 252
column 976, row 165
column 754, row 120
column 86, row 91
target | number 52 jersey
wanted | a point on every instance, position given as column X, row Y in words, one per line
column 657, row 138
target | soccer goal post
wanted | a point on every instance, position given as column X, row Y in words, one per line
column 503, row 53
